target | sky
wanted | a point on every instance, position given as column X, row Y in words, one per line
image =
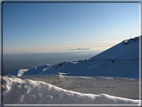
column 63, row 27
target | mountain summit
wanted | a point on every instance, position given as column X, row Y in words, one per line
column 127, row 49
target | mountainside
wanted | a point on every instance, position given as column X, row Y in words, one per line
column 126, row 50
column 122, row 60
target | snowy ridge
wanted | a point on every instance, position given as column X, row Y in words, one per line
column 121, row 60
column 17, row 91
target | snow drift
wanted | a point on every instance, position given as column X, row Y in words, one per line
column 115, row 86
column 17, row 91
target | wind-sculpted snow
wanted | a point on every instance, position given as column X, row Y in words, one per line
column 18, row 91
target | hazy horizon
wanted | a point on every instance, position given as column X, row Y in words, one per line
column 14, row 62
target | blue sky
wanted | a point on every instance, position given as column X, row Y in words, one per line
column 60, row 27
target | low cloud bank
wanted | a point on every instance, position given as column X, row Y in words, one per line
column 80, row 49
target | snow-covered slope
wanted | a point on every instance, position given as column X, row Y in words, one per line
column 126, row 50
column 17, row 91
column 122, row 60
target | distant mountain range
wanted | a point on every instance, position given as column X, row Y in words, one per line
column 121, row 60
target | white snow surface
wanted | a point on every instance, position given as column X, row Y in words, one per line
column 122, row 60
column 121, row 51
column 114, row 72
column 21, row 72
column 122, row 87
column 18, row 91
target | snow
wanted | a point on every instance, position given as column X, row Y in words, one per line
column 128, row 69
column 121, row 51
column 122, row 87
column 119, row 61
column 21, row 72
column 110, row 77
column 18, row 91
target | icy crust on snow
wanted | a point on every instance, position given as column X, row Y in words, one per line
column 17, row 91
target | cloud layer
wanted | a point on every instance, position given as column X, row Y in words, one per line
column 80, row 49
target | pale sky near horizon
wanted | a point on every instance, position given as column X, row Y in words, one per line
column 60, row 27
